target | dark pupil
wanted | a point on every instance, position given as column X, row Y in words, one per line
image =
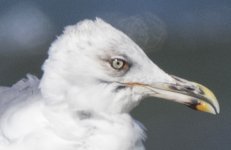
column 118, row 63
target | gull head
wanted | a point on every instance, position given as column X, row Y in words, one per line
column 93, row 66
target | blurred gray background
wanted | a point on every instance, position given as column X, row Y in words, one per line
column 190, row 39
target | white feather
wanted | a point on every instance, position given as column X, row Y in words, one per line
column 76, row 105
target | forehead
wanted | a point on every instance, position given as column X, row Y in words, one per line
column 101, row 37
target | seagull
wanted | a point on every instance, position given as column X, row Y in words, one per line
column 93, row 77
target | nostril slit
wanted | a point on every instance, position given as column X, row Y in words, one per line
column 189, row 88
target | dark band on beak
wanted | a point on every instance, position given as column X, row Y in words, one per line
column 191, row 94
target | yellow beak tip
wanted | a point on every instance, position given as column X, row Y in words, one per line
column 213, row 105
column 205, row 107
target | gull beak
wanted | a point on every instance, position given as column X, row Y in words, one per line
column 191, row 94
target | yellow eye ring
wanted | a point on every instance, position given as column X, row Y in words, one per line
column 118, row 63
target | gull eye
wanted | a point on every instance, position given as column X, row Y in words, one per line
column 118, row 63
